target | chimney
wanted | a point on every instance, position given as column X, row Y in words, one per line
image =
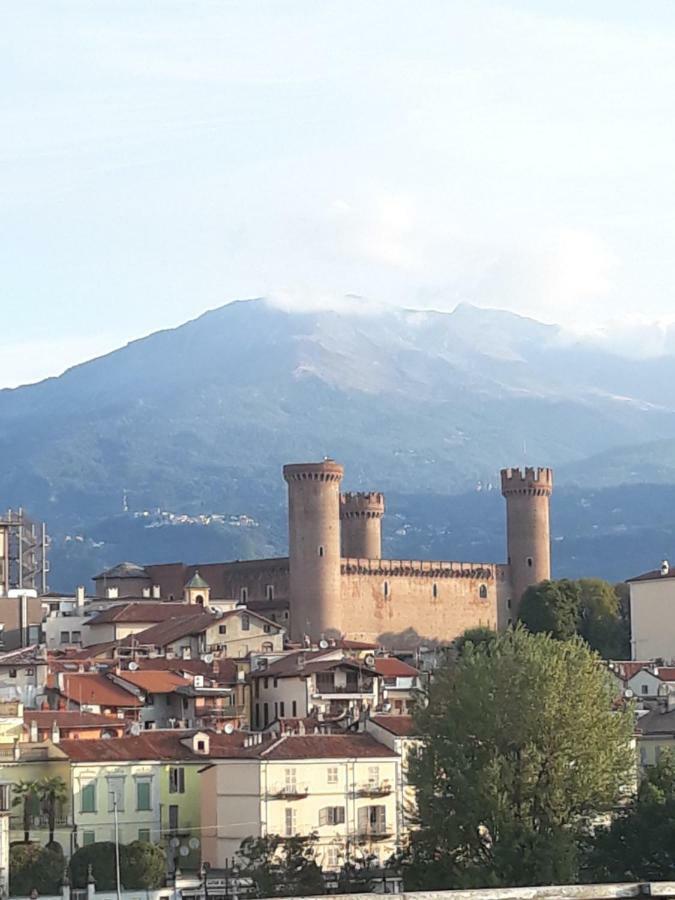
column 56, row 733
column 79, row 595
column 33, row 732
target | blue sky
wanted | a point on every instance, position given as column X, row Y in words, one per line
column 160, row 158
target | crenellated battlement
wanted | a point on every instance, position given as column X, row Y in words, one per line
column 328, row 470
column 532, row 481
column 363, row 504
column 392, row 568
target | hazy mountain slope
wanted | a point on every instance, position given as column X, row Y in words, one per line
column 202, row 417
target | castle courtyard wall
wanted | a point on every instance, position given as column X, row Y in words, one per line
column 402, row 603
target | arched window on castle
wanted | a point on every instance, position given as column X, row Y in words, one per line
column 320, row 551
column 385, row 588
column 434, row 591
column 243, row 595
column 269, row 592
column 483, row 592
column 199, row 600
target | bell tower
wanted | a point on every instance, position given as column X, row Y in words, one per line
column 197, row 591
column 528, row 531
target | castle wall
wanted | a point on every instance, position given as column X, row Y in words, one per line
column 402, row 603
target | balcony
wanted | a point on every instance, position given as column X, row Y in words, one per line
column 326, row 688
column 38, row 821
column 371, row 789
column 289, row 792
column 375, row 833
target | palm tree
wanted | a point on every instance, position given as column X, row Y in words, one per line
column 52, row 792
column 26, row 793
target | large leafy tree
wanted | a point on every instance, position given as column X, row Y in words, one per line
column 281, row 866
column 602, row 624
column 34, row 867
column 553, row 607
column 144, row 866
column 639, row 845
column 521, row 749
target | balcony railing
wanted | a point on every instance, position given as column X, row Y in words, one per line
column 375, row 833
column 358, row 688
column 37, row 821
column 372, row 789
column 289, row 792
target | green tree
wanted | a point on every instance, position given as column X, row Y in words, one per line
column 522, row 747
column 601, row 624
column 143, row 865
column 639, row 845
column 101, row 857
column 34, row 867
column 52, row 792
column 479, row 635
column 281, row 867
column 27, row 795
column 553, row 607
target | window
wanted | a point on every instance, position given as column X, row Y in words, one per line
column 290, row 782
column 12, row 673
column 332, row 775
column 201, row 746
column 245, row 622
column 267, row 629
column 257, row 715
column 644, row 689
column 373, row 776
column 282, row 709
column 76, row 637
column 373, row 820
column 116, row 792
column 88, row 837
column 222, row 629
column 243, row 595
column 33, row 634
column 257, row 688
column 434, row 591
column 508, row 603
column 88, row 797
column 266, row 683
column 295, row 709
column 332, row 815
column 143, row 794
column 144, row 835
column 173, row 818
column 267, row 647
column 266, row 714
column 529, row 561
column 320, row 551
column 199, row 600
column 290, row 823
column 176, row 780
column 331, row 859
column 275, row 683
column 385, row 588
column 483, row 592
column 269, row 592
column 65, row 637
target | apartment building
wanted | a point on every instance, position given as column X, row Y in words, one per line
column 343, row 787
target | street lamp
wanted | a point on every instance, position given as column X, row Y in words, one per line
column 113, row 794
column 204, row 872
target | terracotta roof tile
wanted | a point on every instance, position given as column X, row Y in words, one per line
column 154, row 681
column 69, row 718
column 152, row 612
column 172, row 630
column 91, row 689
column 401, row 726
column 390, row 667
column 326, row 746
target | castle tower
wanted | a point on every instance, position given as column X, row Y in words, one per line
column 360, row 523
column 528, row 533
column 314, row 548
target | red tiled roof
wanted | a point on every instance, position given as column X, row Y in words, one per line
column 143, row 612
column 158, row 681
column 664, row 673
column 222, row 671
column 172, row 577
column 325, row 746
column 625, row 669
column 391, row 667
column 172, row 630
column 401, row 726
column 653, row 575
column 68, row 718
column 91, row 689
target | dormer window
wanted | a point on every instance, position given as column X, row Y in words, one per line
column 243, row 595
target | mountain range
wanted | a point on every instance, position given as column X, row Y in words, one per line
column 171, row 447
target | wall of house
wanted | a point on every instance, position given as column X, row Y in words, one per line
column 25, row 683
column 652, row 609
column 278, row 691
column 392, row 601
column 237, row 641
column 189, row 813
column 131, row 820
column 231, row 800
column 15, row 771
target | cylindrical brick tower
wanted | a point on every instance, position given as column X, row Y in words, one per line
column 528, row 532
column 314, row 548
column 360, row 522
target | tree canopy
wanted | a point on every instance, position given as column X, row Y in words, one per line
column 142, row 865
column 281, row 867
column 522, row 746
column 34, row 867
column 589, row 607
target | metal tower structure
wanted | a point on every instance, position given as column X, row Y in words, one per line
column 23, row 553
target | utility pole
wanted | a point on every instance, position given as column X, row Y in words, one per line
column 117, row 845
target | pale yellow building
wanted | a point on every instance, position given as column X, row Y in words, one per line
column 345, row 787
column 652, row 612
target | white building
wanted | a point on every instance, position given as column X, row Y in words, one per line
column 652, row 611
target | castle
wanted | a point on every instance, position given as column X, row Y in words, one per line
column 334, row 582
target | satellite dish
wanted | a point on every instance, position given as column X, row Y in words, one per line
column 174, row 842
column 369, row 660
column 628, row 694
column 229, row 728
column 184, row 851
column 135, row 729
column 208, row 657
column 323, row 644
column 193, row 843
column 132, row 666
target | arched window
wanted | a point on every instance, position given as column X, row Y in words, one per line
column 199, row 600
column 530, row 561
column 243, row 594
column 434, row 591
column 245, row 622
column 483, row 592
column 320, row 551
column 385, row 588
column 267, row 647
